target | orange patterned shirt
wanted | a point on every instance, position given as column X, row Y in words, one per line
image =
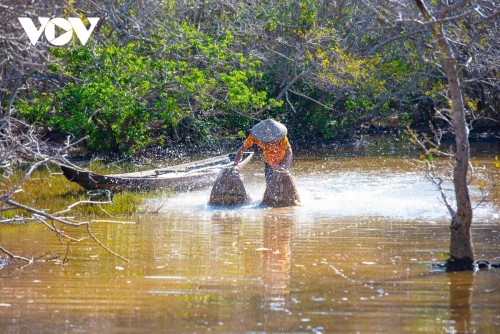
column 273, row 152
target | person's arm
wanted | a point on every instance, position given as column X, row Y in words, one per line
column 238, row 156
column 286, row 159
column 246, row 144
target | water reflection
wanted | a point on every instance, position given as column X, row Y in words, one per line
column 461, row 290
column 227, row 224
column 353, row 259
column 277, row 257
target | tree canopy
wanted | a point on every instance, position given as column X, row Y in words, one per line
column 165, row 72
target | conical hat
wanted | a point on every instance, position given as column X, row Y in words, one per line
column 269, row 131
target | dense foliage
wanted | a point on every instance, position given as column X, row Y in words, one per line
column 164, row 72
column 128, row 96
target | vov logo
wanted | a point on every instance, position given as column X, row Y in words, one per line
column 70, row 25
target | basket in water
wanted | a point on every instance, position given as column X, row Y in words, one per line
column 228, row 189
column 281, row 191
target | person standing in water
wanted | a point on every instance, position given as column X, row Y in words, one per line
column 271, row 137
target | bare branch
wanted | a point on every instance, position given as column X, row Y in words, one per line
column 393, row 39
column 310, row 98
column 438, row 182
column 446, row 9
column 423, row 9
column 290, row 103
column 70, row 207
column 104, row 246
column 5, row 199
column 430, row 20
column 15, row 257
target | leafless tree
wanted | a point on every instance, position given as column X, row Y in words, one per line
column 439, row 22
column 21, row 61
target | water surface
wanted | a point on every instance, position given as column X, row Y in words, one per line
column 354, row 258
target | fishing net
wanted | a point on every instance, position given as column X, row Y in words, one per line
column 281, row 191
column 228, row 189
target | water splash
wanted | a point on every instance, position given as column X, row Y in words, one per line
column 401, row 196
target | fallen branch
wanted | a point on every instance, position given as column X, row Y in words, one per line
column 38, row 212
column 20, row 143
column 70, row 207
column 15, row 257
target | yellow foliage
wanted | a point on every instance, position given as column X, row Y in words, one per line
column 325, row 62
column 308, row 55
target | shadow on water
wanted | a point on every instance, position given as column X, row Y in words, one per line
column 353, row 258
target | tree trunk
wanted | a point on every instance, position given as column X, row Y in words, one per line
column 461, row 250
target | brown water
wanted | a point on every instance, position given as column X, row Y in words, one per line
column 354, row 258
